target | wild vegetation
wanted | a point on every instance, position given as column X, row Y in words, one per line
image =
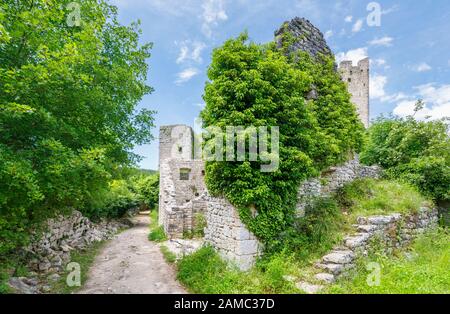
column 417, row 152
column 68, row 118
column 325, row 223
column 258, row 85
column 422, row 269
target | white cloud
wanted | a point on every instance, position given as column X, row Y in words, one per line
column 186, row 75
column 384, row 41
column 213, row 13
column 357, row 26
column 378, row 62
column 352, row 55
column 328, row 34
column 436, row 98
column 348, row 19
column 376, row 86
column 190, row 51
column 421, row 67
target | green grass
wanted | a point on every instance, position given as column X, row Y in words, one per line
column 157, row 233
column 169, row 256
column 424, row 269
column 205, row 272
column 85, row 258
column 368, row 197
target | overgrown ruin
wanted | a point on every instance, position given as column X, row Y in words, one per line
column 183, row 194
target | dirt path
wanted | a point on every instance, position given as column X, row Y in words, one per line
column 130, row 263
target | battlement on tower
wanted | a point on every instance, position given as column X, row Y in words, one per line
column 357, row 79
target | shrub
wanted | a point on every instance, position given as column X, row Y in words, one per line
column 67, row 109
column 316, row 232
column 366, row 197
column 417, row 152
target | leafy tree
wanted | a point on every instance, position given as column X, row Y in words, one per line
column 415, row 151
column 68, row 97
column 258, row 85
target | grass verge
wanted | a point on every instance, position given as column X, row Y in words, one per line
column 157, row 233
column 169, row 256
column 205, row 272
column 85, row 259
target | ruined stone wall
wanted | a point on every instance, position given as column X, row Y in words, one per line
column 228, row 235
column 357, row 80
column 333, row 179
column 306, row 36
column 49, row 250
column 181, row 181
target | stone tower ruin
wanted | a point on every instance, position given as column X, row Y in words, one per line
column 310, row 39
column 357, row 79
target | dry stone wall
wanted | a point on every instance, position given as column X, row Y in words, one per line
column 333, row 179
column 50, row 250
column 386, row 232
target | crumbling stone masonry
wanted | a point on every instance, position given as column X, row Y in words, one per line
column 310, row 39
column 183, row 196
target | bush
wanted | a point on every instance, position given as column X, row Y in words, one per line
column 258, row 85
column 315, row 233
column 417, row 152
column 147, row 187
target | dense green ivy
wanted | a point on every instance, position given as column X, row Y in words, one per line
column 258, row 85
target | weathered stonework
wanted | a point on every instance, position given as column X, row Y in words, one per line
column 333, row 179
column 182, row 198
column 50, row 251
column 357, row 79
column 310, row 39
column 306, row 37
column 385, row 232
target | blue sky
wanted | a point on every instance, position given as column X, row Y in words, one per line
column 409, row 51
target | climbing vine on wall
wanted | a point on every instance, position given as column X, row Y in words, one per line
column 258, row 85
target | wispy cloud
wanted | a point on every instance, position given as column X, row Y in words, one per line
column 190, row 51
column 421, row 67
column 357, row 27
column 383, row 41
column 186, row 75
column 348, row 19
column 377, row 84
column 436, row 98
column 328, row 34
column 354, row 55
column 213, row 13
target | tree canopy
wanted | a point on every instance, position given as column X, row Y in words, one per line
column 69, row 89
